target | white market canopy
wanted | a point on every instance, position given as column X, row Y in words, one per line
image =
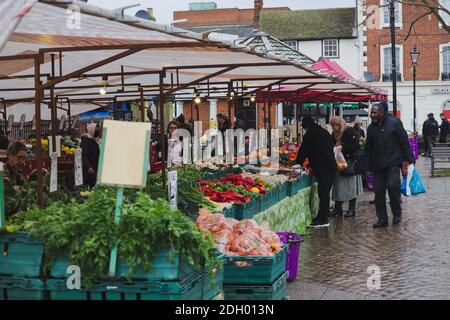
column 133, row 57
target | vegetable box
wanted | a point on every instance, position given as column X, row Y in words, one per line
column 259, row 270
column 21, row 255
column 275, row 291
column 268, row 200
column 165, row 267
column 12, row 288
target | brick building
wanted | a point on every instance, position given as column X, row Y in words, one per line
column 433, row 69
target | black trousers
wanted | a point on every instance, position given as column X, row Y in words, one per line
column 387, row 179
column 325, row 179
column 443, row 138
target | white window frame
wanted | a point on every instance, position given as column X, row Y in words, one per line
column 291, row 42
column 337, row 49
column 387, row 24
column 386, row 46
column 441, row 60
column 443, row 17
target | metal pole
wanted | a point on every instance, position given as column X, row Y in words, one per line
column 37, row 99
column 53, row 106
column 142, row 104
column 394, row 63
column 414, row 94
column 69, row 114
column 162, row 134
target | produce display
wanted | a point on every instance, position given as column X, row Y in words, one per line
column 86, row 232
column 239, row 238
column 233, row 188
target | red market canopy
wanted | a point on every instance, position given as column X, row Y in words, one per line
column 332, row 95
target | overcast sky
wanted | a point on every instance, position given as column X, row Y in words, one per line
column 164, row 8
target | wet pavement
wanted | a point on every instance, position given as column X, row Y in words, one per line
column 413, row 257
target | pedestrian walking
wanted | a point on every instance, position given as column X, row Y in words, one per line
column 347, row 184
column 318, row 148
column 388, row 149
column 430, row 133
column 445, row 128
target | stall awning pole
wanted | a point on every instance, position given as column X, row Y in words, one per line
column 37, row 99
column 142, row 107
column 162, row 135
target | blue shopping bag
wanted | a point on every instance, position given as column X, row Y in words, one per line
column 413, row 184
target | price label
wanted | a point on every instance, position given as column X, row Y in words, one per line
column 172, row 177
column 10, row 123
column 58, row 145
column 78, row 167
column 54, row 173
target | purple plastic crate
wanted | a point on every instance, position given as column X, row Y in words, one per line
column 294, row 240
column 370, row 181
column 415, row 146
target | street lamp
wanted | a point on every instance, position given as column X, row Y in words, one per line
column 414, row 59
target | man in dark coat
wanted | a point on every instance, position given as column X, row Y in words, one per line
column 430, row 133
column 388, row 149
column 90, row 155
column 318, row 148
column 445, row 128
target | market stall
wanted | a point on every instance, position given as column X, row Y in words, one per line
column 106, row 61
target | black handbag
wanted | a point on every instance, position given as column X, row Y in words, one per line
column 352, row 168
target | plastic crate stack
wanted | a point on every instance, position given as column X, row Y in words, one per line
column 172, row 279
column 21, row 277
column 256, row 278
column 21, row 267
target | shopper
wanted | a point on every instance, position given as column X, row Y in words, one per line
column 388, row 149
column 445, row 128
column 223, row 123
column 16, row 154
column 175, row 156
column 358, row 128
column 318, row 148
column 430, row 133
column 90, row 155
column 347, row 184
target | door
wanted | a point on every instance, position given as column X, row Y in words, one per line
column 245, row 114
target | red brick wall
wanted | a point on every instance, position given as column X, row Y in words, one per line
column 219, row 16
column 203, row 112
column 426, row 35
column 273, row 109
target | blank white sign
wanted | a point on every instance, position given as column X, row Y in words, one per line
column 124, row 154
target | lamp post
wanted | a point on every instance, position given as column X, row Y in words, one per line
column 414, row 59
column 394, row 64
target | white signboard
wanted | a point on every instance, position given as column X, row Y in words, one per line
column 62, row 121
column 54, row 173
column 172, row 179
column 78, row 167
column 10, row 123
column 22, row 122
column 124, row 154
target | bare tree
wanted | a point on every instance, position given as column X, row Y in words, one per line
column 259, row 4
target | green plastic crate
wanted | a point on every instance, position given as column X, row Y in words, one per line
column 275, row 291
column 188, row 289
column 12, row 288
column 212, row 289
column 247, row 210
column 282, row 191
column 231, row 212
column 293, row 187
column 263, row 270
column 165, row 268
column 306, row 181
column 268, row 200
column 21, row 255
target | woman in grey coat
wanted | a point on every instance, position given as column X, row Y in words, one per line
column 346, row 188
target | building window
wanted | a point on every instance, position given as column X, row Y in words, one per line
column 330, row 48
column 291, row 43
column 445, row 52
column 387, row 63
column 444, row 15
column 385, row 13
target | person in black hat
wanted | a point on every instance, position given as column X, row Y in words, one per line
column 430, row 133
column 318, row 148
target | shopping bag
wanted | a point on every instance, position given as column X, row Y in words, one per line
column 413, row 184
column 340, row 159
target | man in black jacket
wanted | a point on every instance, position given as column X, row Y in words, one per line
column 318, row 148
column 445, row 127
column 430, row 133
column 387, row 148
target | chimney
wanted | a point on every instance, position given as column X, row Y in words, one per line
column 259, row 4
column 150, row 14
